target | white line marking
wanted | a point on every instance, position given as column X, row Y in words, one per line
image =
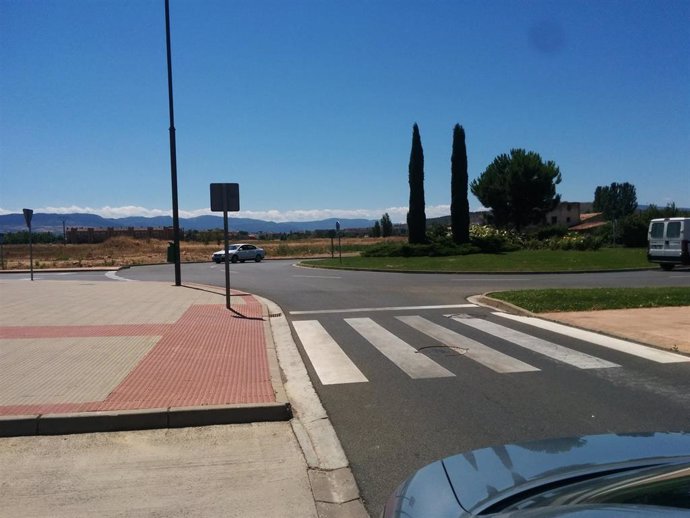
column 543, row 347
column 398, row 308
column 114, row 276
column 643, row 351
column 317, row 276
column 411, row 361
column 476, row 351
column 330, row 362
column 494, row 279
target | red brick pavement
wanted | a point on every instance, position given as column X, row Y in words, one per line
column 210, row 356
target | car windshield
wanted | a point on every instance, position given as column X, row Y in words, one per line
column 233, row 247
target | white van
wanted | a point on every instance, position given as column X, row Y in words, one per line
column 669, row 242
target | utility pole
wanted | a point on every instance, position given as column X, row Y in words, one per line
column 173, row 153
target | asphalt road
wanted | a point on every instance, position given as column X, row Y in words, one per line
column 295, row 288
column 395, row 412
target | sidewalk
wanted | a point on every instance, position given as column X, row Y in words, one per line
column 86, row 357
column 156, row 364
column 666, row 328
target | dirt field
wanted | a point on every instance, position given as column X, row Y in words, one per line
column 125, row 251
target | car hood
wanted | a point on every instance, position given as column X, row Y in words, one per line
column 482, row 478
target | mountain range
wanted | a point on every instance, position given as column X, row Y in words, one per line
column 54, row 223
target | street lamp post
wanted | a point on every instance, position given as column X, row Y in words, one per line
column 173, row 153
column 28, row 214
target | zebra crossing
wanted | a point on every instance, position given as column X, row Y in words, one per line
column 333, row 366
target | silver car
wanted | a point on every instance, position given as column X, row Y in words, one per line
column 240, row 252
column 597, row 476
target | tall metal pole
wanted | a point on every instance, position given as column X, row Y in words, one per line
column 31, row 254
column 173, row 153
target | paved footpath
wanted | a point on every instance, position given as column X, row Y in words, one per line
column 117, row 356
column 156, row 365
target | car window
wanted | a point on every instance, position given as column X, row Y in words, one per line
column 670, row 490
column 232, row 247
column 673, row 230
column 250, row 247
column 657, row 230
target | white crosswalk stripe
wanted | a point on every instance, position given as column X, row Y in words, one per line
column 333, row 366
column 476, row 351
column 329, row 361
column 624, row 346
column 411, row 361
column 543, row 347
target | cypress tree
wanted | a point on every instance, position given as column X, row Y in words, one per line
column 416, row 218
column 376, row 230
column 386, row 225
column 459, row 205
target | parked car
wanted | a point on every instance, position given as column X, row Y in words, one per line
column 240, row 252
column 645, row 474
column 669, row 242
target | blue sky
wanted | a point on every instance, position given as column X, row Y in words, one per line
column 309, row 105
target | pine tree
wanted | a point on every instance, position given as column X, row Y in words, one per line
column 416, row 218
column 520, row 189
column 459, row 204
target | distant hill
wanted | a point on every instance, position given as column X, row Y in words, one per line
column 53, row 223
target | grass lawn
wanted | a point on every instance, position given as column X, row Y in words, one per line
column 541, row 301
column 519, row 261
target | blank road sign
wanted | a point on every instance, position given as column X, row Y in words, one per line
column 28, row 213
column 225, row 196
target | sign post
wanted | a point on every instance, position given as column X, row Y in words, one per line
column 340, row 250
column 225, row 197
column 28, row 214
column 331, row 234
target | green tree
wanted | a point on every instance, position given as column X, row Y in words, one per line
column 459, row 205
column 518, row 188
column 416, row 217
column 616, row 201
column 386, row 225
column 376, row 230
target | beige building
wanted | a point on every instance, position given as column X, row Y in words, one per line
column 566, row 214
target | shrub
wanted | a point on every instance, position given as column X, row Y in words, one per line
column 533, row 244
column 492, row 240
column 438, row 247
column 574, row 242
column 549, row 232
column 633, row 231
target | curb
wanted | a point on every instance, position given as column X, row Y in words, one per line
column 488, row 302
column 128, row 420
column 333, row 485
column 557, row 272
column 66, row 270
